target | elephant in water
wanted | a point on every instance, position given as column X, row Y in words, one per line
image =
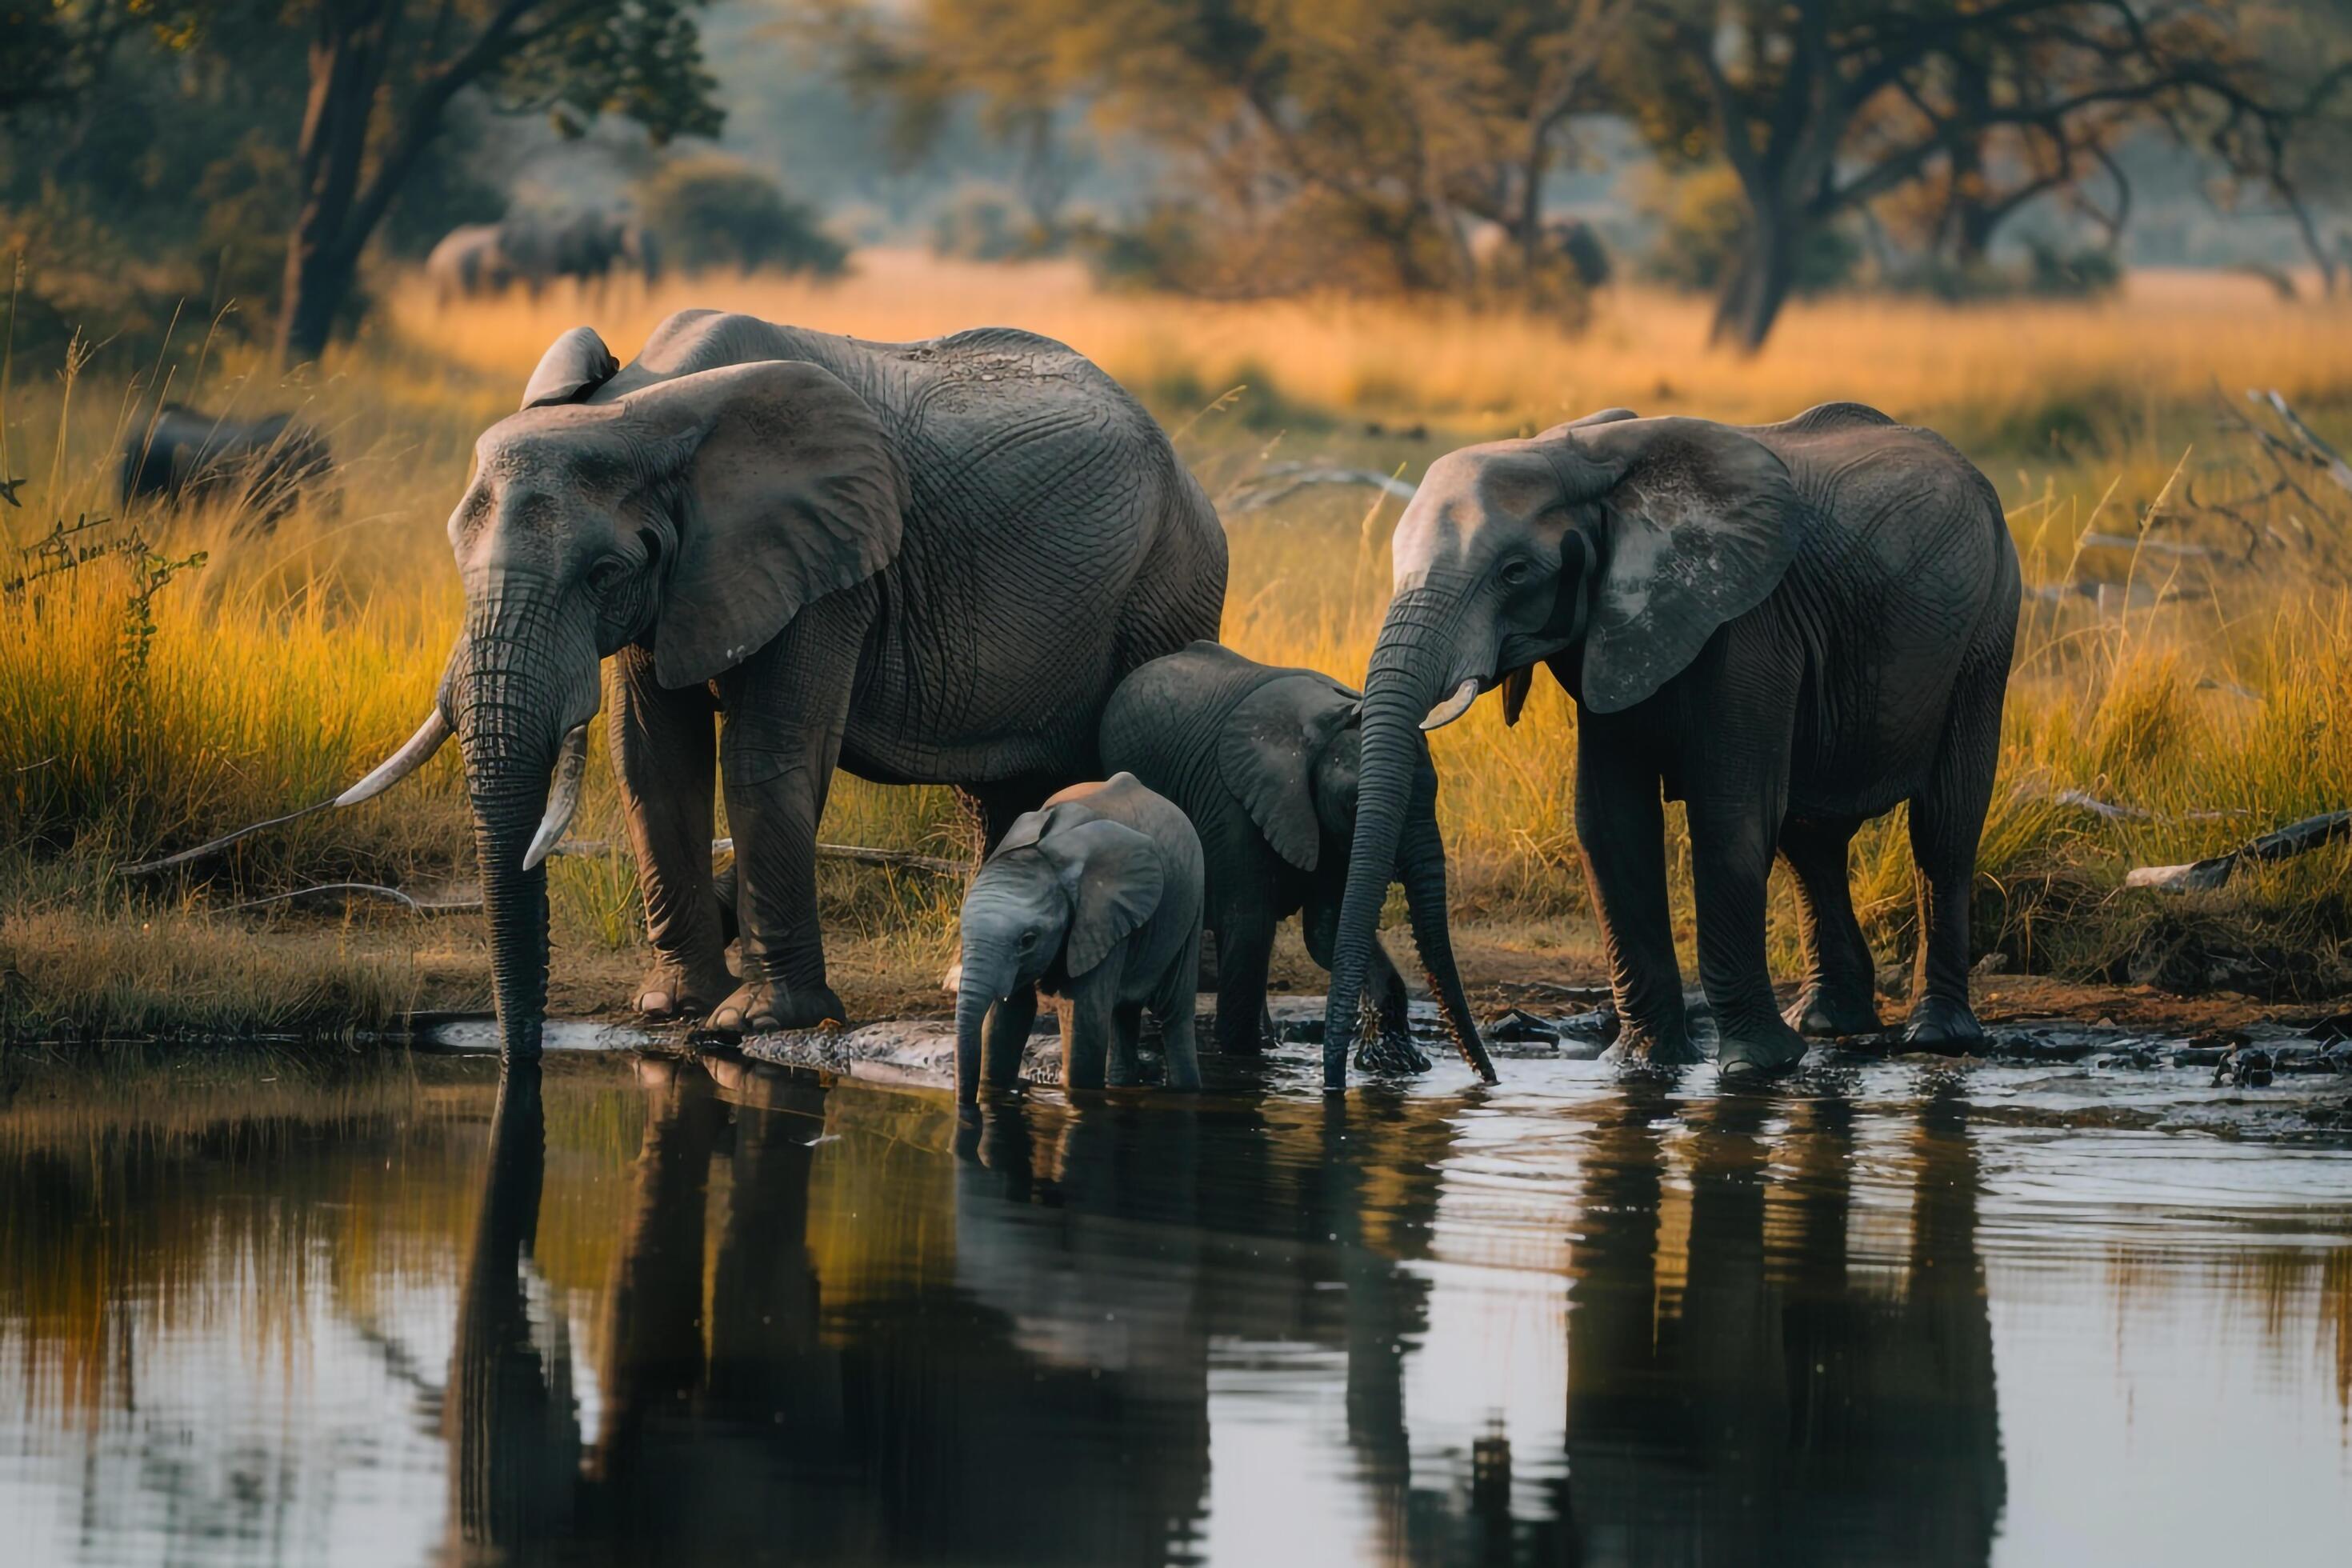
column 265, row 464
column 927, row 563
column 1792, row 627
column 1264, row 760
column 1094, row 898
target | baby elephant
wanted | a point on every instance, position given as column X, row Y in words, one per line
column 1096, row 900
column 1264, row 760
column 265, row 463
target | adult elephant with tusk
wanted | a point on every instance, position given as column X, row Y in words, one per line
column 927, row 563
column 1791, row 627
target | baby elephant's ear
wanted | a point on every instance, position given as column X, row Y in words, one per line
column 1025, row 830
column 1266, row 755
column 573, row 366
column 1113, row 876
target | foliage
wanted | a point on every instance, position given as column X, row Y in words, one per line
column 1702, row 232
column 1823, row 108
column 1336, row 145
column 712, row 211
column 984, row 223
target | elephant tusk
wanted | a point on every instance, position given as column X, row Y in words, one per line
column 1454, row 707
column 411, row 756
column 563, row 799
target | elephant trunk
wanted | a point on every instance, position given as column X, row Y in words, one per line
column 1416, row 639
column 1421, row 865
column 985, row 979
column 514, row 698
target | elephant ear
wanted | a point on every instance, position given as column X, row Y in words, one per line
column 1267, row 755
column 1113, row 876
column 1701, row 524
column 574, row 365
column 787, row 490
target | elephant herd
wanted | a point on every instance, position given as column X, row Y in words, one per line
column 533, row 249
column 978, row 562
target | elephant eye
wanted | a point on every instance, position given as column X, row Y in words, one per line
column 606, row 574
column 1517, row 571
column 1028, row 939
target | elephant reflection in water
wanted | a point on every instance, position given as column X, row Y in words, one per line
column 1767, row 1408
column 747, row 1426
column 1131, row 1237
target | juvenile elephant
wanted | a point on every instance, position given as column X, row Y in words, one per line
column 190, row 456
column 1095, row 898
column 926, row 563
column 1792, row 627
column 1264, row 760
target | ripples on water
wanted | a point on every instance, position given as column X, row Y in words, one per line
column 644, row 1312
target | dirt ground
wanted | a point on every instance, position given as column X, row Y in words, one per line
column 1504, row 969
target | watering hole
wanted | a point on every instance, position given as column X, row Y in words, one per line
column 635, row 1307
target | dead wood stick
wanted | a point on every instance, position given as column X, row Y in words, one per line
column 2200, row 876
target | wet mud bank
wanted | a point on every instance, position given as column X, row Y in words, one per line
column 2269, row 1078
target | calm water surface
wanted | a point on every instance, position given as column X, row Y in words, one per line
column 633, row 1312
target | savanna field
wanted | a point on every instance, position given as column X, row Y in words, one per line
column 2185, row 657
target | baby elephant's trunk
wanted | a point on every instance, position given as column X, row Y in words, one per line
column 974, row 999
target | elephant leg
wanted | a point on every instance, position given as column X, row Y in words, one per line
column 1620, row 831
column 664, row 761
column 1178, row 1007
column 787, row 708
column 1839, row 995
column 1005, row 1037
column 1244, row 951
column 1126, row 1046
column 1947, row 821
column 1735, row 821
column 1088, row 1025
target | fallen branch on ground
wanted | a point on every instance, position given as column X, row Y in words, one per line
column 2202, row 876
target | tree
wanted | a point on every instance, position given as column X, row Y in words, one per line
column 381, row 79
column 1822, row 107
column 1334, row 142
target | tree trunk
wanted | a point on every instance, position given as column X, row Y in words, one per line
column 1759, row 284
column 347, row 67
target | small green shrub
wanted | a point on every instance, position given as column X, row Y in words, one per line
column 714, row 211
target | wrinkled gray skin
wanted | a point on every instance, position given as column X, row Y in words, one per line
column 1094, row 899
column 534, row 249
column 1791, row 627
column 927, row 563
column 1264, row 760
column 188, row 455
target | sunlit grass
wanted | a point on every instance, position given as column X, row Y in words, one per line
column 296, row 658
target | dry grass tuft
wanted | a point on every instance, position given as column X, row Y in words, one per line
column 293, row 659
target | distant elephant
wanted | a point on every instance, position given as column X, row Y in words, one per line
column 536, row 249
column 1095, row 898
column 1792, row 627
column 928, row 563
column 264, row 464
column 469, row 262
column 1264, row 760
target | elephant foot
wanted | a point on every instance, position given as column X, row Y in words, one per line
column 1638, row 1048
column 1758, row 1053
column 671, row 990
column 1943, row 1024
column 1390, row 1051
column 760, row 1006
column 1822, row 1014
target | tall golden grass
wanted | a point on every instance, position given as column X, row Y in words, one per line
column 295, row 658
